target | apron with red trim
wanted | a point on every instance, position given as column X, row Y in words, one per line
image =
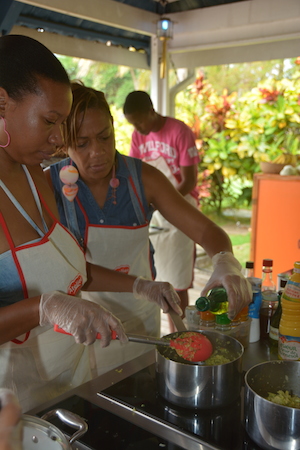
column 42, row 364
column 174, row 250
column 124, row 249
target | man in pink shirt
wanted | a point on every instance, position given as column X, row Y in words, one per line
column 169, row 145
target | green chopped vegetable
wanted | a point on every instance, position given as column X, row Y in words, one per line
column 284, row 398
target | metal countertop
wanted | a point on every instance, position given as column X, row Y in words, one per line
column 255, row 353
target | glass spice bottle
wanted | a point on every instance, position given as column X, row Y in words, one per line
column 192, row 317
column 207, row 320
column 249, row 269
column 267, row 283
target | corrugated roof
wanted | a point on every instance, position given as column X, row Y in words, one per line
column 18, row 13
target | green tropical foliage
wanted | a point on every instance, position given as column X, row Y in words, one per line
column 235, row 133
column 241, row 114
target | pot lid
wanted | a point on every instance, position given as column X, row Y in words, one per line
column 38, row 434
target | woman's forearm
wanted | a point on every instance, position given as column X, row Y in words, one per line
column 18, row 318
column 103, row 279
column 215, row 240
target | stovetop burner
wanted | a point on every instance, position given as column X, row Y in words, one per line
column 214, row 425
column 220, row 428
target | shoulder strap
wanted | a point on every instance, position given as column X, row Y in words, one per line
column 20, row 207
column 135, row 190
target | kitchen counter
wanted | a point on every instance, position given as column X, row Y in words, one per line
column 176, row 436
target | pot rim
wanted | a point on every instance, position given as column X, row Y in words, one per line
column 206, row 333
column 266, row 363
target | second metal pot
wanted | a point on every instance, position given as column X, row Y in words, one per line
column 270, row 425
column 190, row 385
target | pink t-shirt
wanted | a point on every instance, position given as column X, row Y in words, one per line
column 175, row 142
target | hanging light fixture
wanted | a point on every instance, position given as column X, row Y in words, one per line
column 164, row 32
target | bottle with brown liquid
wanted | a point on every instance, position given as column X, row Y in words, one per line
column 268, row 307
column 269, row 301
column 275, row 320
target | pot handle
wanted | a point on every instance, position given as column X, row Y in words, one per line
column 71, row 419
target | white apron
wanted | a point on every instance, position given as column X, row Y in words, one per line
column 174, row 250
column 42, row 364
column 124, row 249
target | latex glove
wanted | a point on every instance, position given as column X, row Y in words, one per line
column 227, row 273
column 10, row 423
column 81, row 318
column 158, row 292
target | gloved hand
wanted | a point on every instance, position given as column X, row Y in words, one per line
column 81, row 318
column 227, row 273
column 158, row 292
column 10, row 423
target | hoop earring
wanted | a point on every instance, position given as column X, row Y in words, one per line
column 6, row 132
column 69, row 175
column 114, row 183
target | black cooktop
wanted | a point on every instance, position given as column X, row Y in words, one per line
column 107, row 431
column 222, row 428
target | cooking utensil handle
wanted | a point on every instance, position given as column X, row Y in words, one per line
column 71, row 419
column 177, row 320
column 60, row 330
column 147, row 340
column 131, row 337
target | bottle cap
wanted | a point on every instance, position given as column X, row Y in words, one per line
column 222, row 319
column 249, row 265
column 255, row 283
column 268, row 262
column 297, row 265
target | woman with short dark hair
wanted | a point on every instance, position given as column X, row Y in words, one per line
column 111, row 212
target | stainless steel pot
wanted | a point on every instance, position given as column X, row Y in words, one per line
column 190, row 385
column 39, row 434
column 270, row 425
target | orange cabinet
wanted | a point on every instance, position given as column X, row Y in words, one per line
column 275, row 226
